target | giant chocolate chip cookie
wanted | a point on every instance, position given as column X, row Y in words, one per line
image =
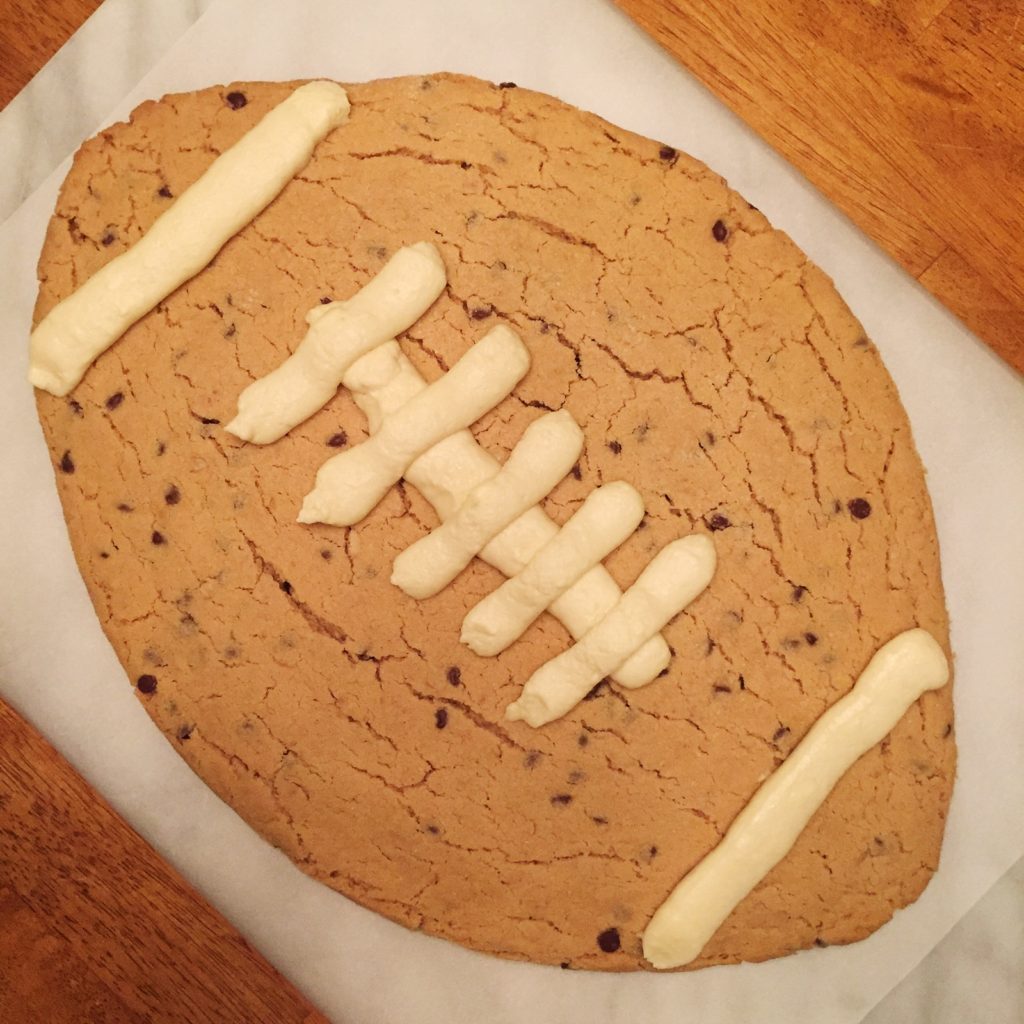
column 709, row 364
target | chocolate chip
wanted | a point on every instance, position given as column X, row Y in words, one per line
column 710, row 439
column 146, row 683
column 75, row 407
column 668, row 154
column 652, row 852
column 67, row 464
column 798, row 593
column 614, row 447
column 481, row 312
column 114, row 400
column 433, row 830
column 599, row 819
column 532, row 759
column 108, row 238
column 743, row 683
column 561, row 799
column 582, row 740
column 454, row 675
column 718, row 522
column 184, row 732
column 577, row 473
column 859, row 508
column 161, row 447
column 508, row 85
column 207, row 420
column 338, row 440
column 325, row 300
column 285, row 586
column 230, row 331
column 564, row 965
column 465, row 165
column 123, row 506
column 236, row 100
column 811, row 638
column 441, row 718
column 609, row 941
column 104, row 554
column 720, row 231
column 783, row 730
column 172, row 495
column 326, row 554
column 362, row 655
column 158, row 538
column 722, row 688
column 165, row 192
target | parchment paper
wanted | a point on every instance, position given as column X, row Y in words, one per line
column 966, row 407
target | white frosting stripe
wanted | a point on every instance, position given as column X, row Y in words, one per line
column 339, row 333
column 672, row 579
column 385, row 380
column 180, row 243
column 544, row 454
column 766, row 829
column 350, row 485
column 607, row 517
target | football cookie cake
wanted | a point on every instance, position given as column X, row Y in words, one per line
column 502, row 517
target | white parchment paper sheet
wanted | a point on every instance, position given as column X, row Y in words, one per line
column 967, row 409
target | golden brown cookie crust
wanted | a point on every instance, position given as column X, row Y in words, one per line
column 710, row 365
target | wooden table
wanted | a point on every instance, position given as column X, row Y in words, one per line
column 908, row 114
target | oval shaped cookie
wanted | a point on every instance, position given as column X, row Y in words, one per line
column 709, row 364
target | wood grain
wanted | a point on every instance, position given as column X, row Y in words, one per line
column 906, row 113
column 95, row 927
column 30, row 34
